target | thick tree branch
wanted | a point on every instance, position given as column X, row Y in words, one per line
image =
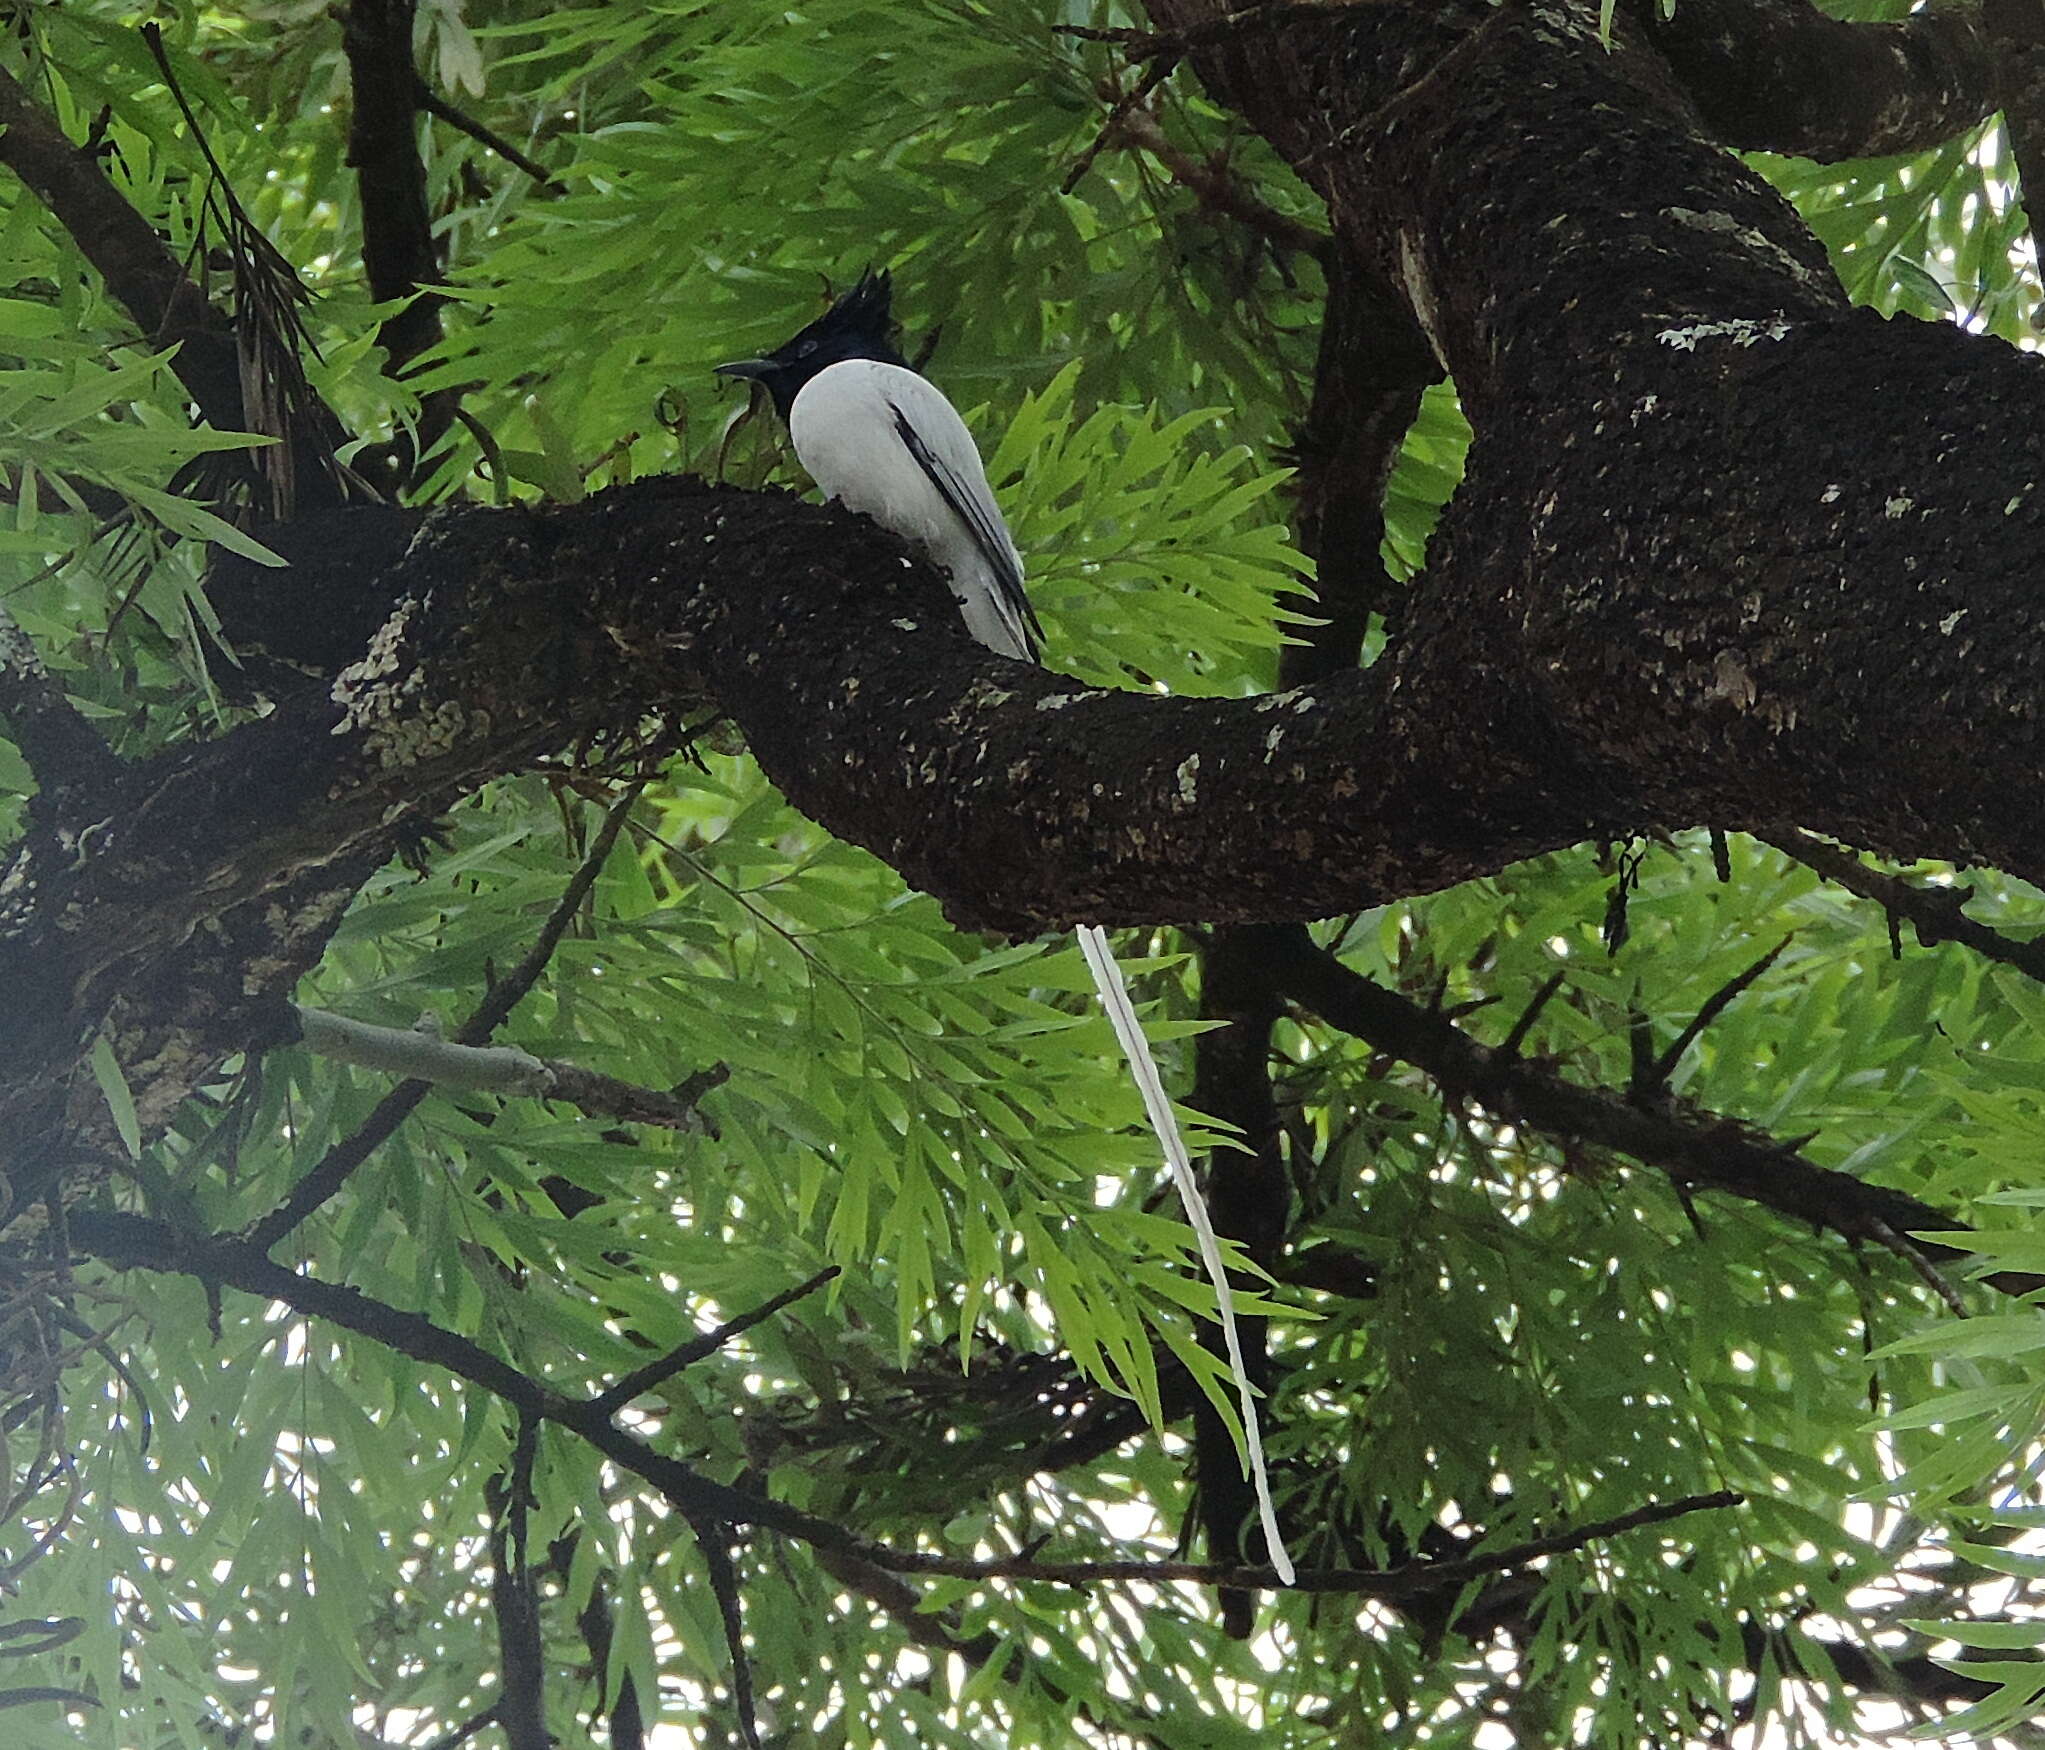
column 526, row 631
column 1779, row 76
column 1588, row 655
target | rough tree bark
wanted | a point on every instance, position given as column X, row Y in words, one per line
column 1727, row 552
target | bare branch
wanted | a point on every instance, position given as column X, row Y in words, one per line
column 1934, row 913
column 1217, row 189
column 1385, row 1583
column 124, row 249
column 643, row 1379
column 331, row 1173
column 1692, row 1147
column 437, row 106
column 1713, row 1006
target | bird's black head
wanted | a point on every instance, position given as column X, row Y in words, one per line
column 857, row 326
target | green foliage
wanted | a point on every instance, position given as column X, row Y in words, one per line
column 1547, row 1337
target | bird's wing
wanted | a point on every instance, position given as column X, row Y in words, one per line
column 935, row 436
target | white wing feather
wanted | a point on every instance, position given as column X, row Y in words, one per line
column 924, row 481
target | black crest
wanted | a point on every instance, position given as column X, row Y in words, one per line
column 859, row 325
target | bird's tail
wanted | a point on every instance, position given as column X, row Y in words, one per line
column 1107, row 977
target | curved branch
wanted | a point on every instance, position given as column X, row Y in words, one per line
column 1779, row 76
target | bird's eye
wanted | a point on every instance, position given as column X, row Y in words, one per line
column 805, row 349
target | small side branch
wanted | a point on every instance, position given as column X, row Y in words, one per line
column 1934, row 913
column 1385, row 1583
column 501, row 1069
column 643, row 1379
column 1664, row 1066
column 438, row 107
column 334, row 1168
column 1694, row 1148
column 1217, row 190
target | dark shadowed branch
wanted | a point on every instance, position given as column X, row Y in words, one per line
column 1694, row 1148
column 1934, row 913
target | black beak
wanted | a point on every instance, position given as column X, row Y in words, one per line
column 752, row 370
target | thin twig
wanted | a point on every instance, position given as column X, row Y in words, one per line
column 1389, row 1583
column 705, row 1343
column 1510, row 1045
column 1913, row 1255
column 1714, row 1006
column 1130, row 101
column 435, row 105
column 466, row 1730
column 394, row 1108
column 1216, row 189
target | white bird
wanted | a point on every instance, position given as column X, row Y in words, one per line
column 882, row 440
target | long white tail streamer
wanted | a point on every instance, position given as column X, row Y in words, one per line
column 1114, row 993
